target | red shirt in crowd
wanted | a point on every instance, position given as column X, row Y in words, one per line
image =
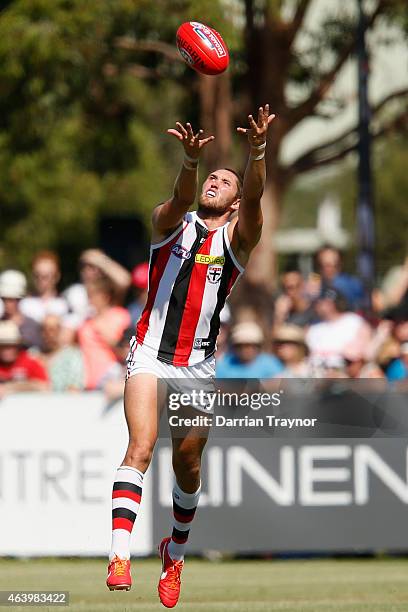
column 24, row 367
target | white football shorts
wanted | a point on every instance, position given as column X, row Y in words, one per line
column 182, row 379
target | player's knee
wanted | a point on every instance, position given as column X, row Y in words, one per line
column 139, row 455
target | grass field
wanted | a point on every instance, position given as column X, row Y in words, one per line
column 227, row 586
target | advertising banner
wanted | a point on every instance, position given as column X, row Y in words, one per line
column 58, row 457
column 282, row 491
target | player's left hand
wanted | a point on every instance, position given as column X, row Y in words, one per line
column 191, row 142
column 257, row 131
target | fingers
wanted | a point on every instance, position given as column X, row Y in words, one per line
column 175, row 133
column 205, row 141
column 252, row 122
column 242, row 130
column 190, row 132
column 182, row 129
column 264, row 118
column 266, row 112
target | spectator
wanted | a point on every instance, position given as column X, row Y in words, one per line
column 94, row 264
column 46, row 276
column 338, row 330
column 388, row 352
column 329, row 264
column 140, row 283
column 293, row 305
column 114, row 383
column 404, row 359
column 357, row 365
column 292, row 350
column 18, row 370
column 396, row 370
column 13, row 287
column 246, row 358
column 100, row 333
column 63, row 363
column 394, row 288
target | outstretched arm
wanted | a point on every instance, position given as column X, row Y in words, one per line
column 169, row 214
column 248, row 228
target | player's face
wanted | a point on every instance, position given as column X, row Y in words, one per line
column 219, row 191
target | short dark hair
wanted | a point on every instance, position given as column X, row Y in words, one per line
column 239, row 178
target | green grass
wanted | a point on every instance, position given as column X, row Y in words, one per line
column 227, row 586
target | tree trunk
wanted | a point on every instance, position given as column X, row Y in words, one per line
column 262, row 266
column 216, row 118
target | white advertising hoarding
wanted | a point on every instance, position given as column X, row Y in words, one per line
column 58, row 457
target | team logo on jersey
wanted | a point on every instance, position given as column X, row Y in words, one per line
column 201, row 343
column 210, row 259
column 180, row 251
column 214, row 274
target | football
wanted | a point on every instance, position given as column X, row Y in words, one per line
column 202, row 48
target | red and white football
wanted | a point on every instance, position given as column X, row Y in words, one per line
column 202, row 48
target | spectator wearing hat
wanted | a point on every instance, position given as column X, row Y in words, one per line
column 291, row 349
column 246, row 359
column 13, row 286
column 18, row 370
column 140, row 284
column 339, row 328
column 46, row 276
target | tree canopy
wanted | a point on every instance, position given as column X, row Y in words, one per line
column 88, row 90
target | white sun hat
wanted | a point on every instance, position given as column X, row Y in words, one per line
column 13, row 284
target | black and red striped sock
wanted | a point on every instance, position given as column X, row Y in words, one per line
column 184, row 507
column 126, row 496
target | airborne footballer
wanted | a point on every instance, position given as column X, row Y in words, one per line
column 195, row 259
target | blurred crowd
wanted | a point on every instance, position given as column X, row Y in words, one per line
column 317, row 326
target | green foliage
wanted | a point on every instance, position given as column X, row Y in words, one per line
column 79, row 136
column 390, row 162
column 82, row 136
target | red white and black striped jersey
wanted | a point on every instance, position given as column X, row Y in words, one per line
column 191, row 274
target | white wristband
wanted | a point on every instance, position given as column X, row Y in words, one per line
column 259, row 147
column 257, row 157
column 192, row 160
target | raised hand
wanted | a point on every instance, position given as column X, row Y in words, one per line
column 191, row 142
column 257, row 131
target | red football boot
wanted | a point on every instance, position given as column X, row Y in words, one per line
column 170, row 582
column 119, row 577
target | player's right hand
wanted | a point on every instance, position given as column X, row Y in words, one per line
column 192, row 143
